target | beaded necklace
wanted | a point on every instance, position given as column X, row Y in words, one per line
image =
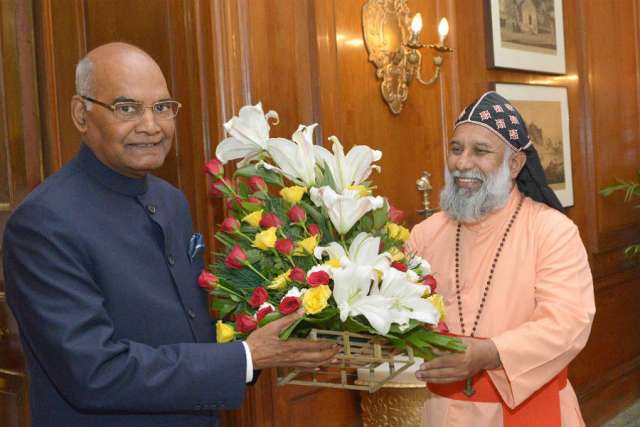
column 469, row 391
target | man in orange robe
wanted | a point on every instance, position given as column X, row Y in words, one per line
column 514, row 276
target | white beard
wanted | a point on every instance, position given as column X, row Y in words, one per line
column 469, row 206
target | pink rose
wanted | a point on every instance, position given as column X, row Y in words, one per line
column 236, row 258
column 430, row 281
column 284, row 246
column 396, row 215
column 263, row 312
column 258, row 297
column 399, row 266
column 270, row 220
column 207, row 280
column 288, row 305
column 256, row 183
column 313, row 229
column 230, row 225
column 297, row 214
column 245, row 323
column 214, row 167
column 318, row 278
column 297, row 275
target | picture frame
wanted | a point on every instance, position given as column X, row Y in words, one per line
column 525, row 35
column 545, row 110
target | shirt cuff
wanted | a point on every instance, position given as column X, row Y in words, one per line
column 247, row 353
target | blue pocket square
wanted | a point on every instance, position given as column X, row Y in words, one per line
column 196, row 246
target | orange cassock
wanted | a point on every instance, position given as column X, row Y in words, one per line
column 538, row 311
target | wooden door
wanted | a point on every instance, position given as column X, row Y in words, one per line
column 20, row 168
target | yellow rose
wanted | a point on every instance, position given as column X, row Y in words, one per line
column 438, row 303
column 315, row 299
column 224, row 332
column 293, row 194
column 280, row 282
column 306, row 246
column 333, row 262
column 396, row 254
column 361, row 189
column 266, row 239
column 397, row 232
column 253, row 218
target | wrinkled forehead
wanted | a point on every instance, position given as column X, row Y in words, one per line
column 129, row 75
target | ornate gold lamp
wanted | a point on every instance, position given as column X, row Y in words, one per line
column 393, row 43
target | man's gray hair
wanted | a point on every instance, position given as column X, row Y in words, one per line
column 84, row 78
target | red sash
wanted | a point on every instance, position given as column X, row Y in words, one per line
column 541, row 409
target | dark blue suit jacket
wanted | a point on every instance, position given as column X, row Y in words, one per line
column 115, row 329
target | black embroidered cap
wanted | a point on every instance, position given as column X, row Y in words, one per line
column 495, row 113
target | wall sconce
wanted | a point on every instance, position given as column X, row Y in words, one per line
column 393, row 43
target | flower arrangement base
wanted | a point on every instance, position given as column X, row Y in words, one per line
column 359, row 353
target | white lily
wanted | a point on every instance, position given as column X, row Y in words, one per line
column 351, row 287
column 363, row 252
column 407, row 298
column 344, row 209
column 294, row 292
column 296, row 160
column 248, row 135
column 351, row 169
column 421, row 264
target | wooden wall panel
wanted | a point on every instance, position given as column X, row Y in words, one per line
column 20, row 172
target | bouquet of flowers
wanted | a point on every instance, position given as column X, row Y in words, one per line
column 304, row 228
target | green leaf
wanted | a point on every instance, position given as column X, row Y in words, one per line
column 284, row 335
column 270, row 177
column 274, row 315
column 381, row 215
column 251, row 207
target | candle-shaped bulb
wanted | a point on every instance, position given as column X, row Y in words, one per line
column 416, row 24
column 443, row 29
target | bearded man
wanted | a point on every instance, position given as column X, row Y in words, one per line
column 514, row 276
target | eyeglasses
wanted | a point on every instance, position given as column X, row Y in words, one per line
column 134, row 110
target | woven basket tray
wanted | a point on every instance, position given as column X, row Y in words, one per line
column 358, row 352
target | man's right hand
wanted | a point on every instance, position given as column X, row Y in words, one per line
column 269, row 351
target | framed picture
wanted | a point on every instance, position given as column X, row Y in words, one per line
column 545, row 110
column 525, row 35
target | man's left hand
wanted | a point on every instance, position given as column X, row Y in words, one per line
column 450, row 367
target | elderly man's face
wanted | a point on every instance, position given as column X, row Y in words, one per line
column 131, row 148
column 474, row 149
column 480, row 174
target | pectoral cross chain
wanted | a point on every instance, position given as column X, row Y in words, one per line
column 468, row 389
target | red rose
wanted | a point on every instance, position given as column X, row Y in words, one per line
column 288, row 305
column 218, row 186
column 214, row 167
column 236, row 258
column 297, row 214
column 207, row 280
column 230, row 225
column 396, row 215
column 263, row 312
column 233, row 203
column 245, row 323
column 270, row 220
column 257, row 184
column 258, row 297
column 318, row 278
column 297, row 275
column 442, row 328
column 313, row 229
column 430, row 281
column 399, row 266
column 284, row 246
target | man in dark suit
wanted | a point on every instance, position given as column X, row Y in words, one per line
column 101, row 280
